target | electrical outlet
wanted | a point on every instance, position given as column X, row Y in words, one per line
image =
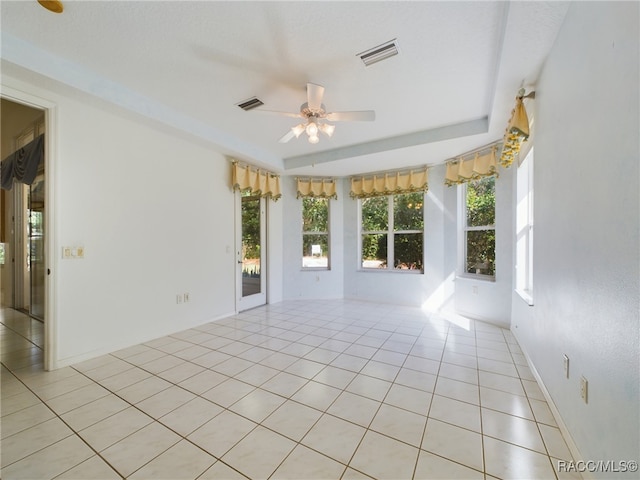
column 584, row 389
column 186, row 297
column 566, row 365
column 178, row 298
column 474, row 289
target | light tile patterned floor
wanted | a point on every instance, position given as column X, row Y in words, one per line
column 296, row 390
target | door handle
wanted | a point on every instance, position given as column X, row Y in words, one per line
column 240, row 262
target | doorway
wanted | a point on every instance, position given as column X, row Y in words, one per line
column 250, row 251
column 22, row 228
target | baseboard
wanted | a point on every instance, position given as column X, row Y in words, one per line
column 573, row 448
column 69, row 361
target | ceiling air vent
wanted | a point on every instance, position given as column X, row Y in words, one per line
column 376, row 54
column 250, row 104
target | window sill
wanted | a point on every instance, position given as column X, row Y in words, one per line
column 400, row 271
column 525, row 296
column 480, row 278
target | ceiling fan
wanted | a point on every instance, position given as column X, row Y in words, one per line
column 314, row 117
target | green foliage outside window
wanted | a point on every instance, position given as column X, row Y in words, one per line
column 315, row 232
column 315, row 214
column 251, row 227
column 407, row 231
column 481, row 212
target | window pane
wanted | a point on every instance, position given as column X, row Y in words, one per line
column 408, row 251
column 407, row 211
column 374, row 251
column 250, row 245
column 481, row 247
column 481, row 202
column 315, row 251
column 315, row 214
column 375, row 214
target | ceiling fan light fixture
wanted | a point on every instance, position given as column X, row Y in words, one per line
column 327, row 129
column 298, row 129
column 312, row 129
column 314, row 116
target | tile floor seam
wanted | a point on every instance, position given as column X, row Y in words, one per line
column 482, row 436
column 158, row 421
column 350, row 328
column 537, row 424
column 76, row 433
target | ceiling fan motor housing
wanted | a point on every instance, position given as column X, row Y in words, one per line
column 307, row 112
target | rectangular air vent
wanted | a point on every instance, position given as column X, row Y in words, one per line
column 250, row 104
column 376, row 54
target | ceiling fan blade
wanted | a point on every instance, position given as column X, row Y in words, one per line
column 314, row 96
column 287, row 136
column 294, row 132
column 360, row 116
column 284, row 114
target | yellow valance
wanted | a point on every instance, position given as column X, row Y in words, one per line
column 517, row 132
column 478, row 165
column 316, row 187
column 389, row 183
column 255, row 181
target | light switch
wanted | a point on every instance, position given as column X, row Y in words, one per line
column 72, row 252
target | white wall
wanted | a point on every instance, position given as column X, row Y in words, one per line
column 154, row 212
column 316, row 284
column 586, row 245
column 275, row 251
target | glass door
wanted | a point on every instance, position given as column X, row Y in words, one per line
column 35, row 245
column 250, row 253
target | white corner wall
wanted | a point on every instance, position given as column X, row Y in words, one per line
column 155, row 214
column 587, row 241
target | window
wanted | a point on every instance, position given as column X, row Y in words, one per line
column 315, row 232
column 392, row 232
column 479, row 227
column 524, row 229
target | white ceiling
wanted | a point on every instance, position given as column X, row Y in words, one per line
column 187, row 64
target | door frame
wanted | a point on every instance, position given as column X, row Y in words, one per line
column 256, row 300
column 50, row 109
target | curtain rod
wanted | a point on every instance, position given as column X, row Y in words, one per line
column 253, row 167
column 475, row 150
column 316, row 179
column 394, row 171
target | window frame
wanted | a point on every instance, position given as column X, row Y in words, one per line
column 524, row 229
column 390, row 233
column 327, row 233
column 463, row 229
